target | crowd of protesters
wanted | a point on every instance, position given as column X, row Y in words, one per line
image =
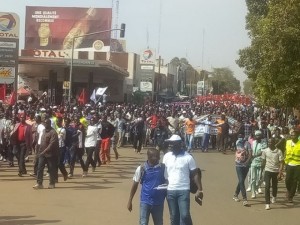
column 59, row 136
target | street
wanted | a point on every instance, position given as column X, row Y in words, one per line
column 101, row 198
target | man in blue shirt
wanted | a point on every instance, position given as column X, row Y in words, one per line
column 150, row 175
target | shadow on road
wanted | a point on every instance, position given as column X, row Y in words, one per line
column 21, row 220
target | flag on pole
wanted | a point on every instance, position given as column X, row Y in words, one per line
column 93, row 96
column 2, row 92
column 82, row 97
column 101, row 91
column 13, row 98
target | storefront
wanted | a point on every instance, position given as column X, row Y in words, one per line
column 49, row 74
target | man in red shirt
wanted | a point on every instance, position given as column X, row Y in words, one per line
column 21, row 140
column 152, row 120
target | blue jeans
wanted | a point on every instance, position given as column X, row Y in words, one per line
column 205, row 142
column 155, row 210
column 241, row 174
column 179, row 207
column 189, row 138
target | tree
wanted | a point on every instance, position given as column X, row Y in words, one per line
column 248, row 86
column 272, row 59
column 223, row 81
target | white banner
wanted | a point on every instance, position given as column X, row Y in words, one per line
column 145, row 86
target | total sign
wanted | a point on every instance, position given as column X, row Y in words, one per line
column 9, row 46
column 9, row 25
column 147, row 57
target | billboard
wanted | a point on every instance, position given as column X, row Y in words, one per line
column 9, row 46
column 53, row 28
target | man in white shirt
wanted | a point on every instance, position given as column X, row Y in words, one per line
column 179, row 166
column 40, row 129
column 90, row 145
column 174, row 123
column 206, row 136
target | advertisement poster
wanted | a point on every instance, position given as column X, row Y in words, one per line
column 54, row 28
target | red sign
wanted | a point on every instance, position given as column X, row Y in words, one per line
column 53, row 28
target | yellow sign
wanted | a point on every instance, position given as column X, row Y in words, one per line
column 66, row 85
column 7, row 72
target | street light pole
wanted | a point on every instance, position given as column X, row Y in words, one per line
column 122, row 29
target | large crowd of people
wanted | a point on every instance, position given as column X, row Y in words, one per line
column 266, row 141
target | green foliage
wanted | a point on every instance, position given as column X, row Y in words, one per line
column 223, row 81
column 273, row 59
column 248, row 87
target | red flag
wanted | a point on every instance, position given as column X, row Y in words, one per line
column 13, row 98
column 82, row 97
column 2, row 92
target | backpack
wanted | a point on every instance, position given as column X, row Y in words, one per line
column 143, row 170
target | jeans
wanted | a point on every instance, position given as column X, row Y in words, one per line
column 60, row 164
column 137, row 142
column 205, row 142
column 120, row 138
column 189, row 141
column 291, row 179
column 75, row 152
column 241, row 174
column 268, row 177
column 52, row 165
column 156, row 212
column 97, row 153
column 179, row 207
column 21, row 152
column 89, row 158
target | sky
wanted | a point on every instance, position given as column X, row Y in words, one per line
column 208, row 33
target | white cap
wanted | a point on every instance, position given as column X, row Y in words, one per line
column 184, row 112
column 174, row 137
column 42, row 109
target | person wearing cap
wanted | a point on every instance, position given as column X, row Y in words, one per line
column 256, row 164
column 178, row 191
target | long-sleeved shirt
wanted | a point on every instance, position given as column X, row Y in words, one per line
column 91, row 136
column 49, row 143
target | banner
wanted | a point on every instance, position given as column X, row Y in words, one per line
column 146, row 86
column 53, row 28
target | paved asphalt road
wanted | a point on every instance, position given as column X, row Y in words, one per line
column 101, row 198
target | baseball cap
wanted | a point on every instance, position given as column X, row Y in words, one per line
column 174, row 137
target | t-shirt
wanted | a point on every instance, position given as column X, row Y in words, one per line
column 178, row 169
column 152, row 178
column 273, row 159
column 190, row 126
column 40, row 130
column 256, row 149
column 61, row 132
column 174, row 122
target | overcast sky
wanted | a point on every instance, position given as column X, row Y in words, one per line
column 182, row 25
